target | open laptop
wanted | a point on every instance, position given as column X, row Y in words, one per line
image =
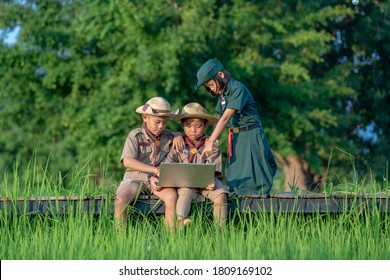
column 190, row 175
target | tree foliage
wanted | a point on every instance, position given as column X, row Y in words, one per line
column 70, row 84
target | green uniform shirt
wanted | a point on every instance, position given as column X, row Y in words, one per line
column 237, row 96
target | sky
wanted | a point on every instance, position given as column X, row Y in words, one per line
column 12, row 36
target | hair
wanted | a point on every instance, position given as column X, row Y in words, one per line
column 159, row 117
column 221, row 83
column 204, row 120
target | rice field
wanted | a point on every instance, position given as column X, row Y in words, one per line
column 354, row 235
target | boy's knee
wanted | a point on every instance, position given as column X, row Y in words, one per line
column 126, row 194
column 171, row 197
column 119, row 200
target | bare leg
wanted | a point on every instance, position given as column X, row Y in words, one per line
column 169, row 197
column 126, row 193
column 220, row 209
column 184, row 201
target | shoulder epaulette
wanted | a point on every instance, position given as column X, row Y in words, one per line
column 134, row 132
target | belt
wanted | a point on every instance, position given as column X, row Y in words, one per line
column 244, row 128
column 238, row 130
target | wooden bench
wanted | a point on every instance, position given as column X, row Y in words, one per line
column 286, row 203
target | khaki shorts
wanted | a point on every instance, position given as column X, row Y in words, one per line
column 212, row 195
column 127, row 184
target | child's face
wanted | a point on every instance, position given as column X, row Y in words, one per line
column 213, row 86
column 194, row 128
column 155, row 124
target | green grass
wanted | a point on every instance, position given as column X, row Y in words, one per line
column 247, row 236
column 354, row 235
column 36, row 180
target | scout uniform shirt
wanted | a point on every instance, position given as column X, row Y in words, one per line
column 140, row 146
column 190, row 149
column 237, row 96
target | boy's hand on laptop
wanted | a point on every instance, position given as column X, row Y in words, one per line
column 211, row 187
column 154, row 183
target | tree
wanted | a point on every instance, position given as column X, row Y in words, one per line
column 72, row 81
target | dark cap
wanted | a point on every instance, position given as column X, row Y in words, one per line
column 207, row 71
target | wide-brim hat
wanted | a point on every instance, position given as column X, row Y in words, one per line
column 157, row 106
column 207, row 71
column 195, row 110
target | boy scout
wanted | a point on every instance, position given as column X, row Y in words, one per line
column 145, row 148
column 194, row 121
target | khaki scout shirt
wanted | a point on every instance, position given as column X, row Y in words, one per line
column 215, row 157
column 141, row 147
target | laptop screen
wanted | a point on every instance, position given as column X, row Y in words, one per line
column 190, row 175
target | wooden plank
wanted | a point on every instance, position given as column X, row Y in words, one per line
column 281, row 203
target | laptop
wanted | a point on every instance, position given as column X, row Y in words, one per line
column 190, row 175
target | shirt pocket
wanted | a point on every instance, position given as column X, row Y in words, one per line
column 145, row 150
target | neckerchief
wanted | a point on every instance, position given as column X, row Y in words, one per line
column 193, row 148
column 156, row 140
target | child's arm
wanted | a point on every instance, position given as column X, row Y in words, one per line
column 215, row 158
column 178, row 142
column 223, row 120
column 218, row 130
column 134, row 164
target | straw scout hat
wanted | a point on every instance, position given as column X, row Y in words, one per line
column 195, row 110
column 157, row 106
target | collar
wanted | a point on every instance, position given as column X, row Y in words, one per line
column 228, row 87
column 150, row 134
column 194, row 148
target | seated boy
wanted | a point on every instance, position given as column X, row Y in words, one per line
column 194, row 121
column 145, row 148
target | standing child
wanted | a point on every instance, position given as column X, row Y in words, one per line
column 251, row 165
column 194, row 121
column 145, row 148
